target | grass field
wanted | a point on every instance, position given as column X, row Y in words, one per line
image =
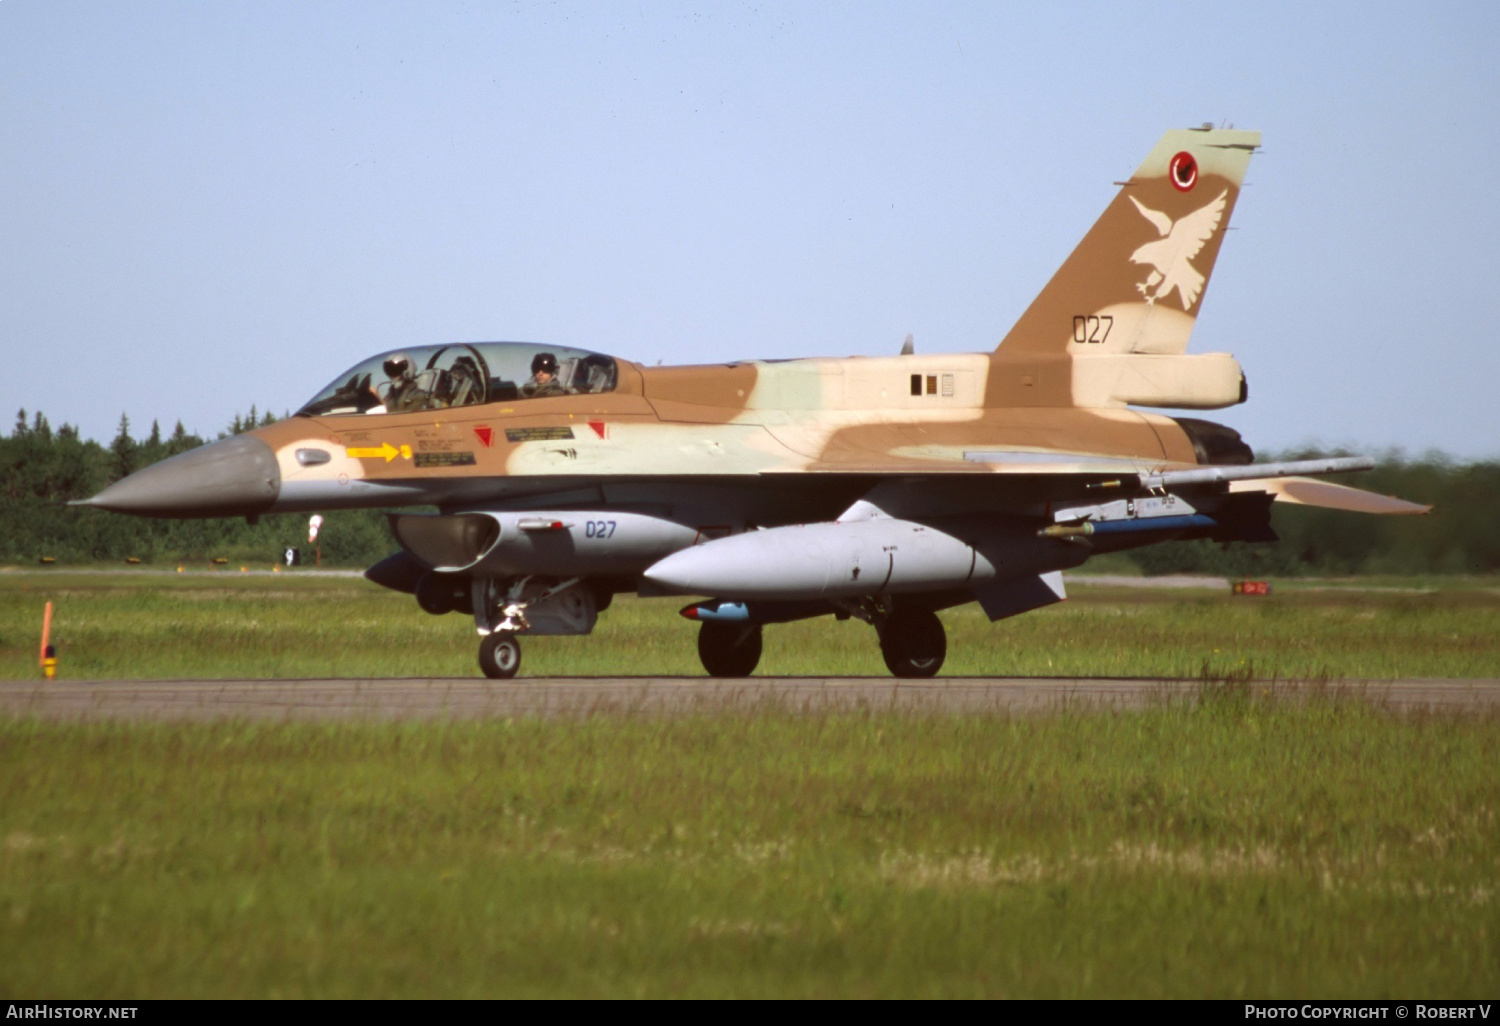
column 229, row 625
column 1237, row 846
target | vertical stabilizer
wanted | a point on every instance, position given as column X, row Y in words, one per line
column 1136, row 281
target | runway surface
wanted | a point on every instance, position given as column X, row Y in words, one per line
column 469, row 698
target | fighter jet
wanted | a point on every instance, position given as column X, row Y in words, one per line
column 879, row 489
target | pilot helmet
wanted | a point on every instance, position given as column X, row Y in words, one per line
column 397, row 366
column 544, row 362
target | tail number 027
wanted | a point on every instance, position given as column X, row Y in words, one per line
column 599, row 529
column 1091, row 328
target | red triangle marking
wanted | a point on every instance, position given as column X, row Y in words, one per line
column 486, row 436
column 598, row 426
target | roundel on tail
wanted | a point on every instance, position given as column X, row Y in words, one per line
column 1183, row 171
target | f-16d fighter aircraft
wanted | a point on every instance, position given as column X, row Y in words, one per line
column 882, row 489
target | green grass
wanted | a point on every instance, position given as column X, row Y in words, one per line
column 228, row 625
column 1240, row 846
column 1244, row 847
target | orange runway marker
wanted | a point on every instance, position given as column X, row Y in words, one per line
column 48, row 656
column 46, row 631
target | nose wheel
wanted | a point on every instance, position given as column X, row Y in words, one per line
column 500, row 655
column 729, row 649
column 913, row 643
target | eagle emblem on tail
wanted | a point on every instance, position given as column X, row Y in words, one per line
column 1170, row 256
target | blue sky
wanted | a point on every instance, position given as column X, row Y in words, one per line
column 209, row 205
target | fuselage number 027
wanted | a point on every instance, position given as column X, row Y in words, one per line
column 599, row 529
column 1091, row 328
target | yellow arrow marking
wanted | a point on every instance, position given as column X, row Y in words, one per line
column 387, row 452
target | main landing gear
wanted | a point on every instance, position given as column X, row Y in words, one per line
column 729, row 649
column 912, row 642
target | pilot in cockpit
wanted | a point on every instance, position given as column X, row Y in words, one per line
column 403, row 392
column 543, row 380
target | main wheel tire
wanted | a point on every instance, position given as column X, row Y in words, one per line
column 729, row 649
column 913, row 643
column 500, row 655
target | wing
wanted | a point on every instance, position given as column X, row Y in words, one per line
column 1303, row 491
column 1162, row 222
column 1193, row 230
column 982, row 481
column 999, row 480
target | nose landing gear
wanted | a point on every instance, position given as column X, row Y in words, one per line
column 500, row 655
column 506, row 608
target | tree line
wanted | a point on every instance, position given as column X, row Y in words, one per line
column 41, row 468
column 1455, row 538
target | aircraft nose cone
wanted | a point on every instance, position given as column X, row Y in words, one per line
column 232, row 477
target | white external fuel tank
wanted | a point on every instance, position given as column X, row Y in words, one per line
column 849, row 559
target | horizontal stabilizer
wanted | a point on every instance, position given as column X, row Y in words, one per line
column 1305, row 491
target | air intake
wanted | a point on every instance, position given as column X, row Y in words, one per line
column 446, row 542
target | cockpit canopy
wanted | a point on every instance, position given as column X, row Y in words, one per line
column 463, row 374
